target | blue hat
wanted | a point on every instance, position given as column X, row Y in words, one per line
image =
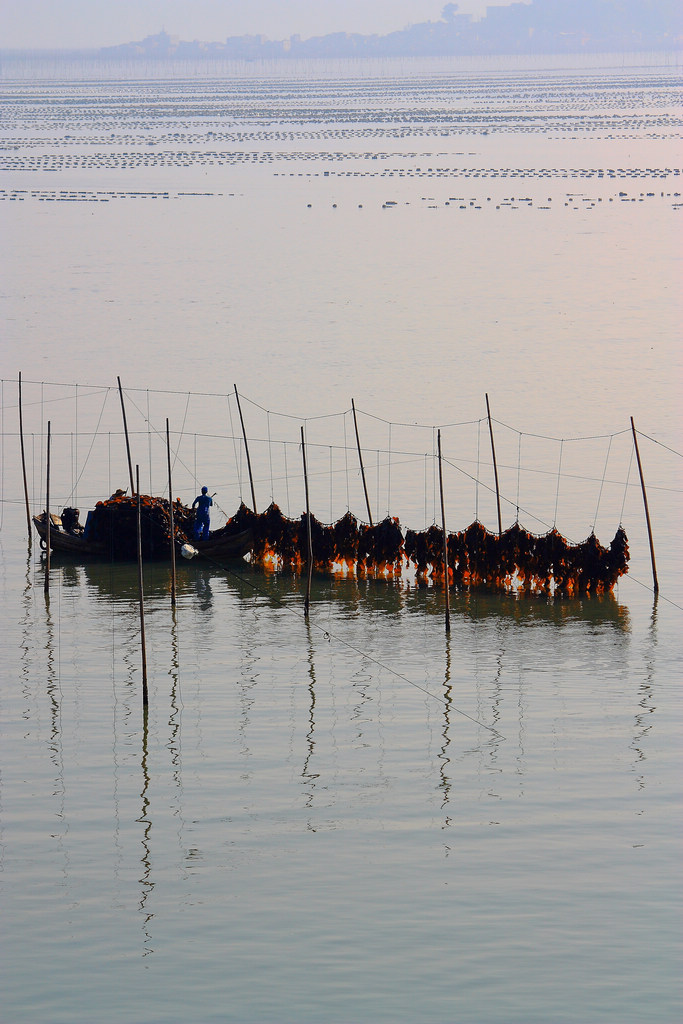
column 204, row 490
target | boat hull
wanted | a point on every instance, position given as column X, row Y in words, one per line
column 220, row 545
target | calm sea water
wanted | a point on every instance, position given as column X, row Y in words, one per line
column 354, row 817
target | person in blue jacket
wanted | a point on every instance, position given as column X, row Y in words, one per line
column 203, row 503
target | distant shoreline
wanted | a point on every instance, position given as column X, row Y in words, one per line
column 109, row 54
column 14, row 59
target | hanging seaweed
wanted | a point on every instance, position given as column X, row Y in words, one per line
column 477, row 558
column 517, row 559
column 380, row 547
column 346, row 538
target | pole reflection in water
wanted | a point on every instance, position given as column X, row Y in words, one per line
column 642, row 721
column 309, row 777
column 146, row 883
column 55, row 746
column 496, row 699
column 53, row 690
column 27, row 631
column 444, row 759
column 175, row 727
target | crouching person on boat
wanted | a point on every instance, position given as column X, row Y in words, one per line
column 202, row 503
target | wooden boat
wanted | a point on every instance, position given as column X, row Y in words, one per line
column 225, row 543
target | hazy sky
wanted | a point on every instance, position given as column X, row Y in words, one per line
column 92, row 23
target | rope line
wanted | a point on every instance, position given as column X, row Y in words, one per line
column 96, row 388
column 286, row 479
column 628, row 477
column 420, row 426
column 75, row 450
column 476, row 479
column 519, row 470
column 346, row 467
column 549, row 437
column 92, row 443
column 559, row 477
column 182, row 430
column 328, row 634
column 293, row 416
column 234, row 448
column 270, row 459
column 660, row 443
column 648, row 586
column 389, row 475
column 602, row 482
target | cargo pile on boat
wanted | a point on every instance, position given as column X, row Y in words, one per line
column 114, row 523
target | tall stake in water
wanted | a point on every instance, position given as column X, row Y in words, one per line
column 246, row 449
column 647, row 511
column 360, row 459
column 445, row 542
column 47, row 513
column 170, row 509
column 308, row 530
column 495, row 466
column 23, row 465
column 145, row 697
column 125, row 430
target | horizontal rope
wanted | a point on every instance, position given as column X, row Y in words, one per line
column 98, row 388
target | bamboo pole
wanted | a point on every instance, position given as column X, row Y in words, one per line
column 47, row 512
column 360, row 459
column 23, row 465
column 445, row 542
column 246, row 449
column 125, row 430
column 495, row 466
column 655, row 581
column 308, row 531
column 170, row 508
column 145, row 696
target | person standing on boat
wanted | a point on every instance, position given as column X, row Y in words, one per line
column 203, row 503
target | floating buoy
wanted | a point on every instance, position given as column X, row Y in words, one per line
column 188, row 551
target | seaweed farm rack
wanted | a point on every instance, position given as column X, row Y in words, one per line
column 349, row 491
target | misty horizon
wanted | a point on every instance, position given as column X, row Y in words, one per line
column 542, row 26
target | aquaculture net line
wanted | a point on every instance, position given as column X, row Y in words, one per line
column 537, row 471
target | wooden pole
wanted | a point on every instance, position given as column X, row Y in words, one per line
column 246, row 448
column 125, row 430
column 145, row 697
column 360, row 459
column 23, row 465
column 308, row 531
column 647, row 511
column 47, row 513
column 445, row 542
column 170, row 509
column 495, row 466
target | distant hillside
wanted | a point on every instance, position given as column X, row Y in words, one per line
column 543, row 26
